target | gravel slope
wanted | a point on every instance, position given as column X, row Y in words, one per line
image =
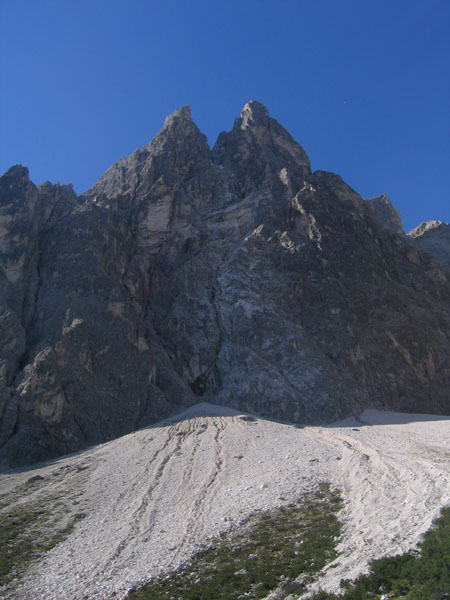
column 153, row 497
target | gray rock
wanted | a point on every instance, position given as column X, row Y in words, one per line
column 386, row 214
column 234, row 275
column 433, row 237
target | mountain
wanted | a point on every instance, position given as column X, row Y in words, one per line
column 433, row 237
column 386, row 214
column 234, row 275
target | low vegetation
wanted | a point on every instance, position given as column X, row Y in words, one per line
column 26, row 532
column 419, row 575
column 33, row 520
column 268, row 551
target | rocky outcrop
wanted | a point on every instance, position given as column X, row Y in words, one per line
column 386, row 214
column 76, row 364
column 433, row 237
column 232, row 274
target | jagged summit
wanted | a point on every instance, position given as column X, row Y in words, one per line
column 433, row 237
column 17, row 172
column 179, row 114
column 264, row 146
column 255, row 138
column 386, row 214
column 234, row 275
column 176, row 147
column 180, row 126
column 425, row 227
column 253, row 113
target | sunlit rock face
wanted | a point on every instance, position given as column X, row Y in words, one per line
column 433, row 237
column 233, row 274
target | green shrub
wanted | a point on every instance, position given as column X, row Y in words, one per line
column 420, row 575
column 269, row 548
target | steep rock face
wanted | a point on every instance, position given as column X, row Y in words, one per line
column 79, row 367
column 386, row 214
column 433, row 237
column 234, row 274
column 25, row 211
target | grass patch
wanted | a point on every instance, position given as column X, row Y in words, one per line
column 268, row 549
column 423, row 574
column 26, row 532
column 26, row 488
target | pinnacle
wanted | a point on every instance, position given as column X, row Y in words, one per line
column 180, row 114
column 425, row 227
column 18, row 171
column 254, row 113
column 179, row 125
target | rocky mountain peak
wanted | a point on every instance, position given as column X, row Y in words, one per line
column 183, row 114
column 258, row 145
column 433, row 237
column 253, row 114
column 179, row 128
column 425, row 227
column 179, row 143
column 386, row 214
column 17, row 173
column 231, row 274
column 176, row 148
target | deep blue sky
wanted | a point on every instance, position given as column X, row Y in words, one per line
column 363, row 85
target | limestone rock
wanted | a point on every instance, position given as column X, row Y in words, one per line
column 433, row 237
column 386, row 214
column 233, row 274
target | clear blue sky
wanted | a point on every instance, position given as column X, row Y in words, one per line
column 363, row 85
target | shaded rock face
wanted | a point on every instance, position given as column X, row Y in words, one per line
column 234, row 275
column 433, row 237
column 386, row 214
